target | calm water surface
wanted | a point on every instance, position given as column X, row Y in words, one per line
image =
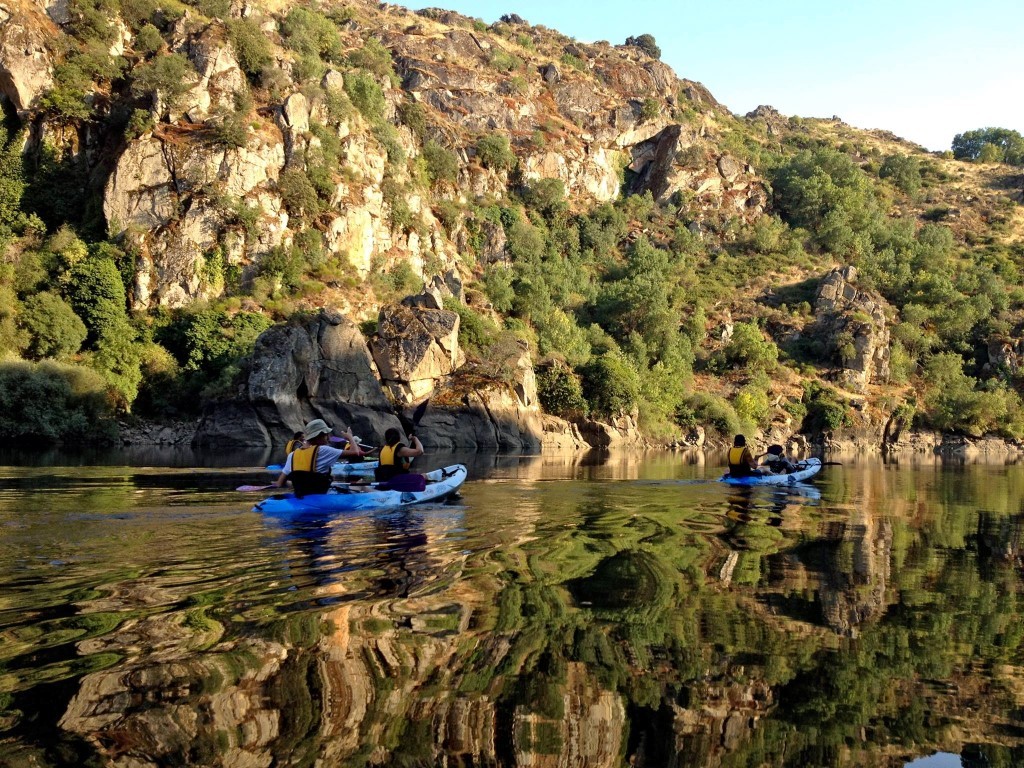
column 566, row 611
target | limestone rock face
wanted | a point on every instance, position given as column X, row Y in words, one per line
column 25, row 60
column 322, row 369
column 415, row 347
column 854, row 324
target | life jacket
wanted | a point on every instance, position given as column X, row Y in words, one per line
column 291, row 445
column 391, row 464
column 304, row 478
column 738, row 466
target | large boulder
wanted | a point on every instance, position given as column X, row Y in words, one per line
column 414, row 348
column 321, row 369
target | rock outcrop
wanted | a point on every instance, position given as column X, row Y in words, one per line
column 322, row 369
column 854, row 326
column 26, row 63
column 414, row 347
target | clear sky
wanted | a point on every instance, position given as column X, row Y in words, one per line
column 923, row 70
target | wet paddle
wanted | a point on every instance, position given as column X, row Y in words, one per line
column 252, row 488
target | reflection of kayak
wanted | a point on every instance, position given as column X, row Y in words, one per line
column 440, row 483
column 806, row 469
column 341, row 469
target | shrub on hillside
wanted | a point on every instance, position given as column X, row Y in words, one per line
column 52, row 401
column 826, row 409
column 749, row 348
column 647, row 44
column 904, row 171
column 611, row 385
column 495, row 152
column 252, row 49
column 94, row 289
column 710, row 411
column 560, row 392
column 53, row 327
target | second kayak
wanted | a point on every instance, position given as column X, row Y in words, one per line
column 805, row 469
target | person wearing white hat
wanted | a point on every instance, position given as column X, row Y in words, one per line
column 309, row 468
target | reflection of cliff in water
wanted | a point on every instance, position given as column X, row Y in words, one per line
column 586, row 631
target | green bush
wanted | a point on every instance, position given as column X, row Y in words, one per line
column 503, row 61
column 298, row 193
column 904, row 171
column 96, row 293
column 310, row 33
column 710, row 411
column 647, row 44
column 366, row 95
column 495, row 152
column 53, row 327
column 749, row 348
column 252, row 49
column 148, row 40
column 169, row 77
column 373, row 57
column 53, row 402
column 826, row 409
column 560, row 392
column 611, row 385
column 442, row 164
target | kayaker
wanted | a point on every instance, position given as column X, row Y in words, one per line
column 298, row 441
column 396, row 456
column 309, row 468
column 776, row 462
column 741, row 461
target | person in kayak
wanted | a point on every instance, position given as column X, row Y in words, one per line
column 309, row 469
column 298, row 441
column 396, row 456
column 775, row 461
column 741, row 461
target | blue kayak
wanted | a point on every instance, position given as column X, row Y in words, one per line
column 805, row 469
column 343, row 498
column 341, row 469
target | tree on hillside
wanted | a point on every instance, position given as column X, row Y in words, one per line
column 647, row 44
column 990, row 145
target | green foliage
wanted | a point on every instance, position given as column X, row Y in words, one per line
column 498, row 282
column 12, row 186
column 647, row 44
column 312, row 34
column 560, row 392
column 1001, row 145
column 166, row 77
column 148, row 40
column 298, row 193
column 752, row 404
column 51, row 401
column 252, row 49
column 611, row 384
column 826, row 409
column 503, row 61
column 442, row 165
column 413, row 117
column 373, row 57
column 574, row 61
column 954, row 402
column 709, row 410
column 749, row 348
column 546, row 196
column 825, row 193
column 904, row 171
column 53, row 328
column 649, row 109
column 495, row 152
column 94, row 289
column 366, row 95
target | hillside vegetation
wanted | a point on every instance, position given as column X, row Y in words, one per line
column 177, row 177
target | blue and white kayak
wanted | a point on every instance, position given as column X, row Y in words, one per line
column 341, row 469
column 805, row 469
column 440, row 483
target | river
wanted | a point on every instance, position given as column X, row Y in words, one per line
column 566, row 611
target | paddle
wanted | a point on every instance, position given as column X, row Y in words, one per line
column 252, row 488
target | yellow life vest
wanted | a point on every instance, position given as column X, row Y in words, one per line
column 736, row 456
column 291, row 445
column 304, row 459
column 389, row 456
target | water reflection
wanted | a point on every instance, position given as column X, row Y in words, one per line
column 569, row 611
